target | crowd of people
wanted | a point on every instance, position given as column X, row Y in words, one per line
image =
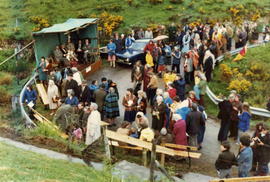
column 177, row 114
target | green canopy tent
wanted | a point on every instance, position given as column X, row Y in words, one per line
column 48, row 38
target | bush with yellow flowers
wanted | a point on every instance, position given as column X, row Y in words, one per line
column 226, row 72
column 241, row 85
column 169, row 8
column 39, row 22
column 108, row 22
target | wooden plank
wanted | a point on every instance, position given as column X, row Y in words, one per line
column 147, row 145
column 176, row 146
column 116, row 144
column 102, row 123
column 248, row 179
column 45, row 121
column 42, row 93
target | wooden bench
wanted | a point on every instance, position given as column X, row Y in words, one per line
column 247, row 179
column 188, row 149
column 184, row 147
column 116, row 144
column 111, row 135
column 42, row 93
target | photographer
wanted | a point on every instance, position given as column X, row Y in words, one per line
column 244, row 158
column 263, row 150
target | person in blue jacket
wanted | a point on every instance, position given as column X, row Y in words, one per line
column 111, row 53
column 29, row 96
column 244, row 158
column 244, row 120
column 71, row 99
column 128, row 42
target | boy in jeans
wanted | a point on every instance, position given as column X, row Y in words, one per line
column 225, row 161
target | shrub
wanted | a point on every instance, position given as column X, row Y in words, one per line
column 108, row 22
column 39, row 22
column 5, row 78
column 155, row 1
column 226, row 72
column 170, row 7
column 5, row 96
column 176, row 1
column 240, row 85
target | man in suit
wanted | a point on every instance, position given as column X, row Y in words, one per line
column 85, row 93
column 99, row 96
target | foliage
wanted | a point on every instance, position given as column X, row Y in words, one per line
column 132, row 11
column 226, row 72
column 5, row 96
column 176, row 1
column 250, row 76
column 155, row 1
column 108, row 22
column 39, row 22
column 5, row 78
column 109, row 7
column 240, row 85
column 44, row 130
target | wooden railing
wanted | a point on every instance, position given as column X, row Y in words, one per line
column 248, row 179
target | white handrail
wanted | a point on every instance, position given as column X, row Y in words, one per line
column 216, row 100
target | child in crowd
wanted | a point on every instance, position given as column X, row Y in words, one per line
column 225, row 161
column 244, row 120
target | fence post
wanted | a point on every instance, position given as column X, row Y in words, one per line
column 144, row 157
column 153, row 158
column 106, row 143
column 162, row 156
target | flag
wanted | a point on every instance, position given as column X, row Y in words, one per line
column 241, row 54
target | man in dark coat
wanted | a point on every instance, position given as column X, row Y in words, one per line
column 118, row 43
column 72, row 84
column 85, row 93
column 179, row 85
column 193, row 122
column 225, row 161
column 263, row 150
column 99, row 96
column 225, row 109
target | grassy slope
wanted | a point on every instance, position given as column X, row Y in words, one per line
column 260, row 55
column 19, row 165
column 141, row 13
column 254, row 55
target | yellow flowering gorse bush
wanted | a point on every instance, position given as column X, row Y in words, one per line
column 39, row 22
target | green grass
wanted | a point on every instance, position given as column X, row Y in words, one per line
column 259, row 92
column 22, row 166
column 140, row 14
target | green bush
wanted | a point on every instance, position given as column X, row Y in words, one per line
column 176, row 1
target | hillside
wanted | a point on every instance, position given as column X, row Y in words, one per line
column 19, row 165
column 138, row 13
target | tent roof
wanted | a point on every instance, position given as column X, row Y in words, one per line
column 70, row 24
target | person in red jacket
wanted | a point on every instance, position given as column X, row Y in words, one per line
column 171, row 91
column 149, row 47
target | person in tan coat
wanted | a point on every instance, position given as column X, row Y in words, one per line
column 152, row 87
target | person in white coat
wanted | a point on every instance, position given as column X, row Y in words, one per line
column 93, row 125
column 53, row 95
